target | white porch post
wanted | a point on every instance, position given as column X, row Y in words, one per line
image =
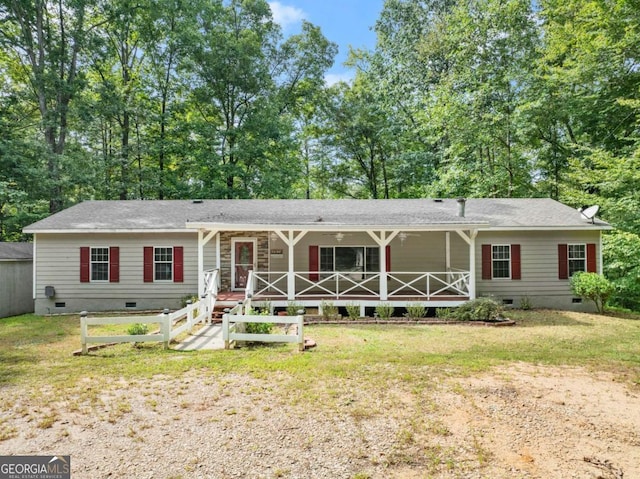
column 291, row 240
column 472, row 265
column 383, row 267
column 202, row 241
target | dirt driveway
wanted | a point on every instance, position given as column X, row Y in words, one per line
column 518, row 422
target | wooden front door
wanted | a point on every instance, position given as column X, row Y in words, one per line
column 242, row 262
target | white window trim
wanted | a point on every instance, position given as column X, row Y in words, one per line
column 173, row 268
column 334, row 246
column 583, row 259
column 91, row 263
column 510, row 261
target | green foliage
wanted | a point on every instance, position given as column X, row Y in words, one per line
column 445, row 313
column 293, row 308
column 525, row 303
column 594, row 287
column 415, row 311
column 189, row 297
column 621, row 251
column 479, row 309
column 329, row 310
column 353, row 311
column 384, row 310
column 258, row 328
column 138, row 329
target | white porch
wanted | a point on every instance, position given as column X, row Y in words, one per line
column 450, row 284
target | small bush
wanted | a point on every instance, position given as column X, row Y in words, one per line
column 480, row 309
column 594, row 287
column 444, row 313
column 384, row 310
column 190, row 297
column 415, row 311
column 293, row 308
column 258, row 328
column 329, row 310
column 353, row 310
column 525, row 303
column 138, row 329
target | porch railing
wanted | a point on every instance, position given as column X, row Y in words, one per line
column 345, row 285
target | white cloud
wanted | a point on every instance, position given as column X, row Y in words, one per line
column 333, row 78
column 286, row 15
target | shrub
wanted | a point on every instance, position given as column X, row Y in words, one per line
column 353, row 310
column 444, row 313
column 594, row 287
column 415, row 311
column 258, row 328
column 138, row 329
column 384, row 310
column 329, row 310
column 525, row 303
column 480, row 309
column 293, row 308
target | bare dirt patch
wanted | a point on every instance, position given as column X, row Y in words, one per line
column 520, row 421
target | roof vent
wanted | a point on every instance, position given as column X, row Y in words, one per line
column 196, row 202
column 461, row 205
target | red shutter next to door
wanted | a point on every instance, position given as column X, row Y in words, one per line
column 563, row 261
column 148, row 264
column 486, row 261
column 591, row 258
column 84, row 264
column 114, row 264
column 515, row 262
column 314, row 260
column 178, row 264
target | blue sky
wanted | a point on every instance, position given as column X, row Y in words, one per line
column 345, row 22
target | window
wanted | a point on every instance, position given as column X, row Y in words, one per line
column 577, row 257
column 99, row 264
column 350, row 258
column 163, row 264
column 501, row 261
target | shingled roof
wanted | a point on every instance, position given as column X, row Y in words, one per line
column 16, row 251
column 181, row 215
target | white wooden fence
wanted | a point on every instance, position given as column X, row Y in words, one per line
column 233, row 321
column 171, row 325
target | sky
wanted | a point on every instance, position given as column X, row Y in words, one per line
column 345, row 22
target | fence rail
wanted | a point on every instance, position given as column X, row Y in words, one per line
column 171, row 325
column 233, row 322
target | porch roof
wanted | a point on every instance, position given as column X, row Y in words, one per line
column 409, row 214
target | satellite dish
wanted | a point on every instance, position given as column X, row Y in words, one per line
column 590, row 212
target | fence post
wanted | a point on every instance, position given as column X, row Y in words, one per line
column 189, row 315
column 225, row 328
column 300, row 319
column 166, row 327
column 83, row 331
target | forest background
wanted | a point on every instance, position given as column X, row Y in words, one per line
column 170, row 99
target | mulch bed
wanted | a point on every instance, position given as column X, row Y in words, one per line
column 317, row 320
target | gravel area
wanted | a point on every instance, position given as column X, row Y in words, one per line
column 522, row 421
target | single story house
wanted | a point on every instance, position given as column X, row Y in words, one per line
column 16, row 279
column 141, row 255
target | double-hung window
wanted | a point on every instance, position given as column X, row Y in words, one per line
column 577, row 258
column 163, row 263
column 99, row 264
column 350, row 259
column 501, row 261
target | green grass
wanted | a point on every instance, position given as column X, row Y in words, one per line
column 36, row 350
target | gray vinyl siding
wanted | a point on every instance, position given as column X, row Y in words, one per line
column 539, row 267
column 16, row 285
column 58, row 265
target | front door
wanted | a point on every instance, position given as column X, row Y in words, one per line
column 242, row 261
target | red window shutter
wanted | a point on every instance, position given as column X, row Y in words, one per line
column 114, row 264
column 314, row 259
column 178, row 264
column 388, row 261
column 515, row 262
column 563, row 261
column 486, row 262
column 591, row 258
column 84, row 264
column 148, row 264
